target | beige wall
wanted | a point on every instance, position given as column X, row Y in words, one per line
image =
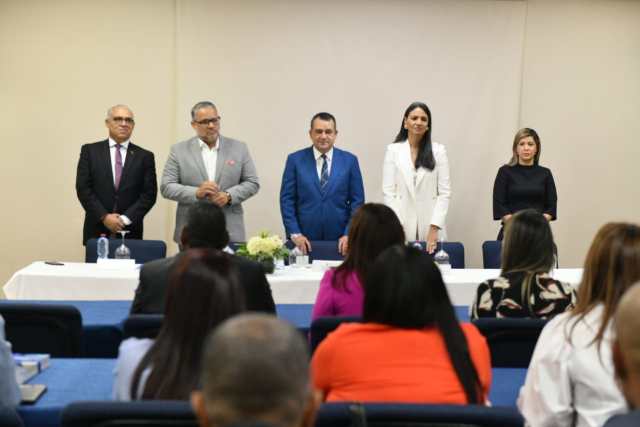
column 569, row 69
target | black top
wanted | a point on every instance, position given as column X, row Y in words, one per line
column 524, row 187
column 503, row 297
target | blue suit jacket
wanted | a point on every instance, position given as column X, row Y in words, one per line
column 320, row 215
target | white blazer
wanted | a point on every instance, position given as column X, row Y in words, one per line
column 419, row 198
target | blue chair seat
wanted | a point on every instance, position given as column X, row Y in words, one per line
column 141, row 250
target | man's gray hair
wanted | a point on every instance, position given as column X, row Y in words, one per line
column 199, row 106
column 256, row 368
column 110, row 110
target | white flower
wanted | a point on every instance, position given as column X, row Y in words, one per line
column 264, row 244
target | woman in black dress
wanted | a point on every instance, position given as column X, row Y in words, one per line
column 523, row 183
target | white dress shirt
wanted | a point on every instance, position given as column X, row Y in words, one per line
column 124, row 146
column 571, row 383
column 319, row 160
column 210, row 157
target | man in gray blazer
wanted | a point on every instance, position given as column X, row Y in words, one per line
column 212, row 167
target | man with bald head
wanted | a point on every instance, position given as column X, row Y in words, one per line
column 116, row 180
column 626, row 355
column 255, row 371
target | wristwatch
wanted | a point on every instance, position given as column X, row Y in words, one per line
column 229, row 197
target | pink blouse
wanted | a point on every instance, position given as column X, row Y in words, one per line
column 339, row 302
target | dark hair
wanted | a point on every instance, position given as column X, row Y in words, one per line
column 374, row 228
column 527, row 247
column 203, row 291
column 327, row 117
column 199, row 106
column 612, row 265
column 524, row 133
column 404, row 288
column 206, row 226
column 256, row 366
column 425, row 157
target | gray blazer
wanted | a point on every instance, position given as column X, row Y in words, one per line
column 235, row 173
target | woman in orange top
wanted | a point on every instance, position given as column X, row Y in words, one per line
column 410, row 347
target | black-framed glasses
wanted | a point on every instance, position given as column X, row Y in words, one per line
column 126, row 120
column 207, row 122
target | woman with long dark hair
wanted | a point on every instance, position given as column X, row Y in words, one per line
column 524, row 288
column 523, row 183
column 570, row 380
column 203, row 291
column 374, row 228
column 411, row 347
column 415, row 177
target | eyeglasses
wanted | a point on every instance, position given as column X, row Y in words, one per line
column 207, row 122
column 126, row 120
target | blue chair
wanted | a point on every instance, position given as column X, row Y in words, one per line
column 322, row 326
column 142, row 325
column 454, row 249
column 491, row 252
column 141, row 250
column 393, row 414
column 632, row 419
column 55, row 329
column 325, row 250
column 511, row 341
column 128, row 414
column 9, row 417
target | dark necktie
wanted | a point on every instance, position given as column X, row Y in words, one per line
column 324, row 173
column 118, row 165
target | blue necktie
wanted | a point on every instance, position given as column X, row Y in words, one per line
column 324, row 173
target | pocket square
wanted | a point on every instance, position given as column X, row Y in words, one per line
column 231, row 162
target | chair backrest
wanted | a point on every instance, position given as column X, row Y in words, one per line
column 55, row 329
column 325, row 250
column 322, row 326
column 491, row 252
column 128, row 414
column 409, row 415
column 9, row 417
column 142, row 325
column 631, row 419
column 511, row 341
column 454, row 249
column 141, row 250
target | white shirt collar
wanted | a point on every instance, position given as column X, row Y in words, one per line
column 203, row 145
column 123, row 144
column 317, row 154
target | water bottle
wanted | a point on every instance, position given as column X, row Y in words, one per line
column 103, row 247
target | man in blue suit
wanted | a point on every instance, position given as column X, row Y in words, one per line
column 321, row 188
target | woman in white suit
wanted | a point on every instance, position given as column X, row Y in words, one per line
column 415, row 177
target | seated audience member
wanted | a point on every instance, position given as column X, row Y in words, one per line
column 203, row 291
column 524, row 288
column 9, row 391
column 626, row 356
column 570, row 381
column 205, row 228
column 255, row 372
column 410, row 347
column 374, row 228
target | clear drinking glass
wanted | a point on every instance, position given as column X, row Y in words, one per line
column 441, row 257
column 122, row 251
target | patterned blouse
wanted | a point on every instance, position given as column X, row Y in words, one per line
column 502, row 297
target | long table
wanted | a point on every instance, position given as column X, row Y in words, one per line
column 81, row 281
column 70, row 380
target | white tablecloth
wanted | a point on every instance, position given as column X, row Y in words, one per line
column 79, row 281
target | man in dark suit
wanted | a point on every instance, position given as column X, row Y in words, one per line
column 205, row 228
column 321, row 188
column 116, row 180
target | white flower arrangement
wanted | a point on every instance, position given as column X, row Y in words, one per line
column 263, row 246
